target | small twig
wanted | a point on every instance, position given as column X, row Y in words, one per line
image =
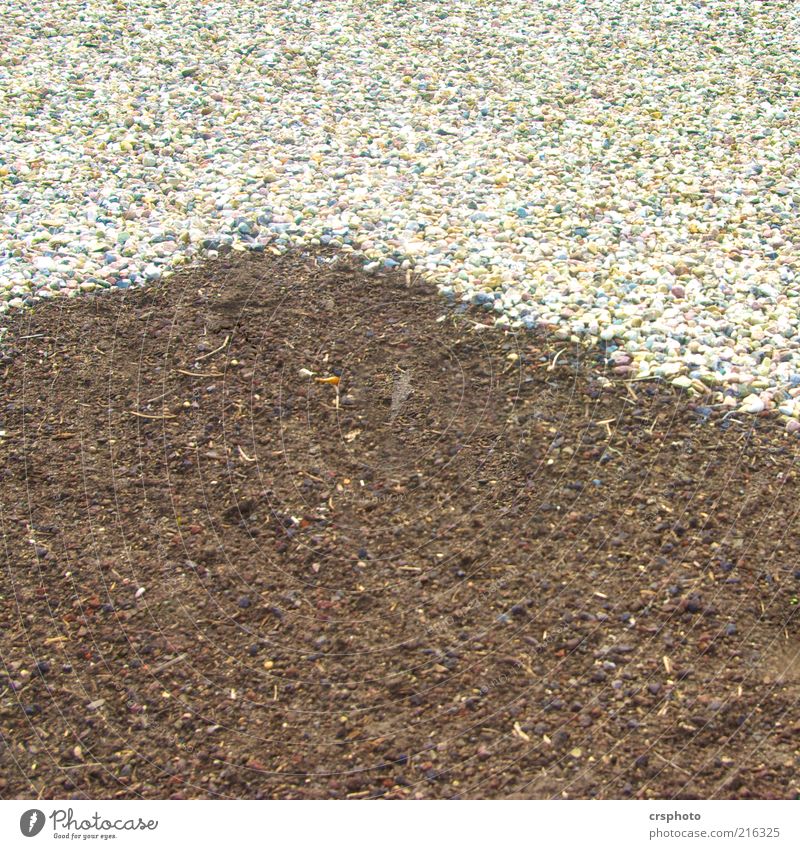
column 148, row 416
column 162, row 395
column 199, row 373
column 672, row 764
column 167, row 663
column 555, row 359
column 245, row 457
column 215, row 351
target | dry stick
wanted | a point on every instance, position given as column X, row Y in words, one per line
column 199, row 373
column 245, row 457
column 215, row 351
column 148, row 416
column 672, row 764
column 555, row 359
column 162, row 395
column 167, row 663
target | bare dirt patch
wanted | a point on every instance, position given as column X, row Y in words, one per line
column 279, row 529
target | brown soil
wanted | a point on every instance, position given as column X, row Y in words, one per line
column 472, row 569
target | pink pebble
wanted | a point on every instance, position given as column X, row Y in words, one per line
column 678, row 291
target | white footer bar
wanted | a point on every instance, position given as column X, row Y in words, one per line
column 410, row 825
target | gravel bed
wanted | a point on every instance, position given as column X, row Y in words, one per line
column 622, row 172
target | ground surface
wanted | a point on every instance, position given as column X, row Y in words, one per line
column 469, row 569
column 628, row 171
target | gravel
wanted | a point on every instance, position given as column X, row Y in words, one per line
column 626, row 173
